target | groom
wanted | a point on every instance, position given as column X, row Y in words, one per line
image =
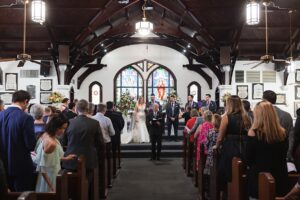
column 156, row 130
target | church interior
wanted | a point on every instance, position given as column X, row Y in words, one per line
column 181, row 55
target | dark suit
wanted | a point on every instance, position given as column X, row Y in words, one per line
column 118, row 124
column 150, row 105
column 172, row 111
column 193, row 105
column 16, row 142
column 156, row 131
column 212, row 106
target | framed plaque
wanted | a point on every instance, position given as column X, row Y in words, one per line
column 297, row 92
column 297, row 76
column 257, row 90
column 44, row 97
column 6, row 97
column 281, row 99
column 296, row 107
column 11, row 81
column 46, row 85
column 242, row 91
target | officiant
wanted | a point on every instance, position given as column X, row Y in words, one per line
column 156, row 130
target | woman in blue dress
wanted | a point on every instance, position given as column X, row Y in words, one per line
column 49, row 154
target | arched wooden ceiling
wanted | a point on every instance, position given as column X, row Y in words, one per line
column 85, row 25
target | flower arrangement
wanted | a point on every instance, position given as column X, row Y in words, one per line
column 225, row 96
column 126, row 103
column 177, row 98
column 55, row 97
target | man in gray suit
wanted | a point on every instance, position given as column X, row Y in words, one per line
column 84, row 137
column 285, row 120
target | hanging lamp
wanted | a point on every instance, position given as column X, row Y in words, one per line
column 144, row 27
column 38, row 11
column 252, row 13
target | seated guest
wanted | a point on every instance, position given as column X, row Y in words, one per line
column 37, row 112
column 248, row 110
column 211, row 140
column 296, row 145
column 266, row 149
column 201, row 133
column 71, row 113
column 49, row 154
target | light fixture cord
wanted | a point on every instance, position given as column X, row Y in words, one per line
column 266, row 21
column 24, row 27
column 143, row 8
column 291, row 45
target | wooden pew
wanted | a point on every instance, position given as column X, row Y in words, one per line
column 109, row 172
column 60, row 193
column 184, row 149
column 194, row 165
column 27, row 196
column 214, row 191
column 103, row 191
column 237, row 186
column 77, row 181
column 189, row 157
column 201, row 166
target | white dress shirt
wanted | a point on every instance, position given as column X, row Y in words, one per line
column 106, row 126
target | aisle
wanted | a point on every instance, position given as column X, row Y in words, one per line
column 142, row 179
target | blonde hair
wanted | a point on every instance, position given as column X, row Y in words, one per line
column 139, row 100
column 207, row 116
column 266, row 123
column 194, row 113
column 234, row 106
column 216, row 121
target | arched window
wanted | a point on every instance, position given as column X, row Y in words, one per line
column 128, row 79
column 95, row 93
column 161, row 82
column 194, row 89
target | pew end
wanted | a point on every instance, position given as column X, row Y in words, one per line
column 237, row 186
column 27, row 196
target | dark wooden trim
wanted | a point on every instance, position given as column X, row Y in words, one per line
column 197, row 68
column 72, row 94
column 285, row 77
column 86, row 73
column 100, row 93
column 198, row 87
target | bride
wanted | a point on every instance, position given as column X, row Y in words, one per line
column 138, row 132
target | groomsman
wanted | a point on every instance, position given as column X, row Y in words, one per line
column 152, row 102
column 191, row 102
column 211, row 105
column 156, row 130
column 172, row 116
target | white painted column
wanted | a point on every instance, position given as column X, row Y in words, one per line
column 62, row 69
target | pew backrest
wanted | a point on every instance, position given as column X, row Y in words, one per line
column 27, row 196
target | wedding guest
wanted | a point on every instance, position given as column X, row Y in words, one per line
column 37, row 112
column 17, row 141
column 186, row 114
column 50, row 110
column 71, row 113
column 1, row 105
column 285, row 120
column 64, row 105
column 296, row 145
column 3, row 182
column 266, row 149
column 49, row 154
column 198, row 121
column 248, row 110
column 232, row 136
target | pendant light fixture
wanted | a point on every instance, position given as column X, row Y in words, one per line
column 144, row 27
column 253, row 13
column 38, row 11
column 291, row 66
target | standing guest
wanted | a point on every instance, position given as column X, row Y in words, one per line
column 202, row 132
column 71, row 113
column 285, row 120
column 172, row 116
column 156, row 131
column 118, row 124
column 64, row 105
column 91, row 110
column 191, row 103
column 211, row 105
column 199, row 121
column 296, row 145
column 232, row 135
column 84, row 137
column 37, row 112
column 248, row 110
column 152, row 102
column 49, row 154
column 17, row 140
column 266, row 149
column 186, row 114
column 50, row 110
column 3, row 182
column 1, row 105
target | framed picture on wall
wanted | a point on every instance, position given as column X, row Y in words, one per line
column 11, row 81
column 297, row 76
column 297, row 92
column 44, row 97
column 46, row 85
column 280, row 99
column 31, row 90
column 296, row 107
column 242, row 91
column 257, row 90
column 6, row 97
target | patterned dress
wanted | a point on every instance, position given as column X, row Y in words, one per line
column 201, row 139
column 211, row 140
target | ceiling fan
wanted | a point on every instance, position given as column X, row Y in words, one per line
column 23, row 57
column 267, row 57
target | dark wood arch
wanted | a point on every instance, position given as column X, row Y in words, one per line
column 166, row 68
column 117, row 74
column 198, row 88
column 90, row 90
column 72, row 94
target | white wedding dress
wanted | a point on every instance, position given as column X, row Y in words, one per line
column 138, row 132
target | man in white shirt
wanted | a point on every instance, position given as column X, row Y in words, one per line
column 107, row 131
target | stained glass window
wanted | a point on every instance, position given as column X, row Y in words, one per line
column 129, row 80
column 95, row 93
column 161, row 83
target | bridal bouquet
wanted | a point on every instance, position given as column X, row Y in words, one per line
column 55, row 97
column 126, row 103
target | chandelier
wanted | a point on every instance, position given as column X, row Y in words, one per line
column 38, row 11
column 144, row 27
column 252, row 16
